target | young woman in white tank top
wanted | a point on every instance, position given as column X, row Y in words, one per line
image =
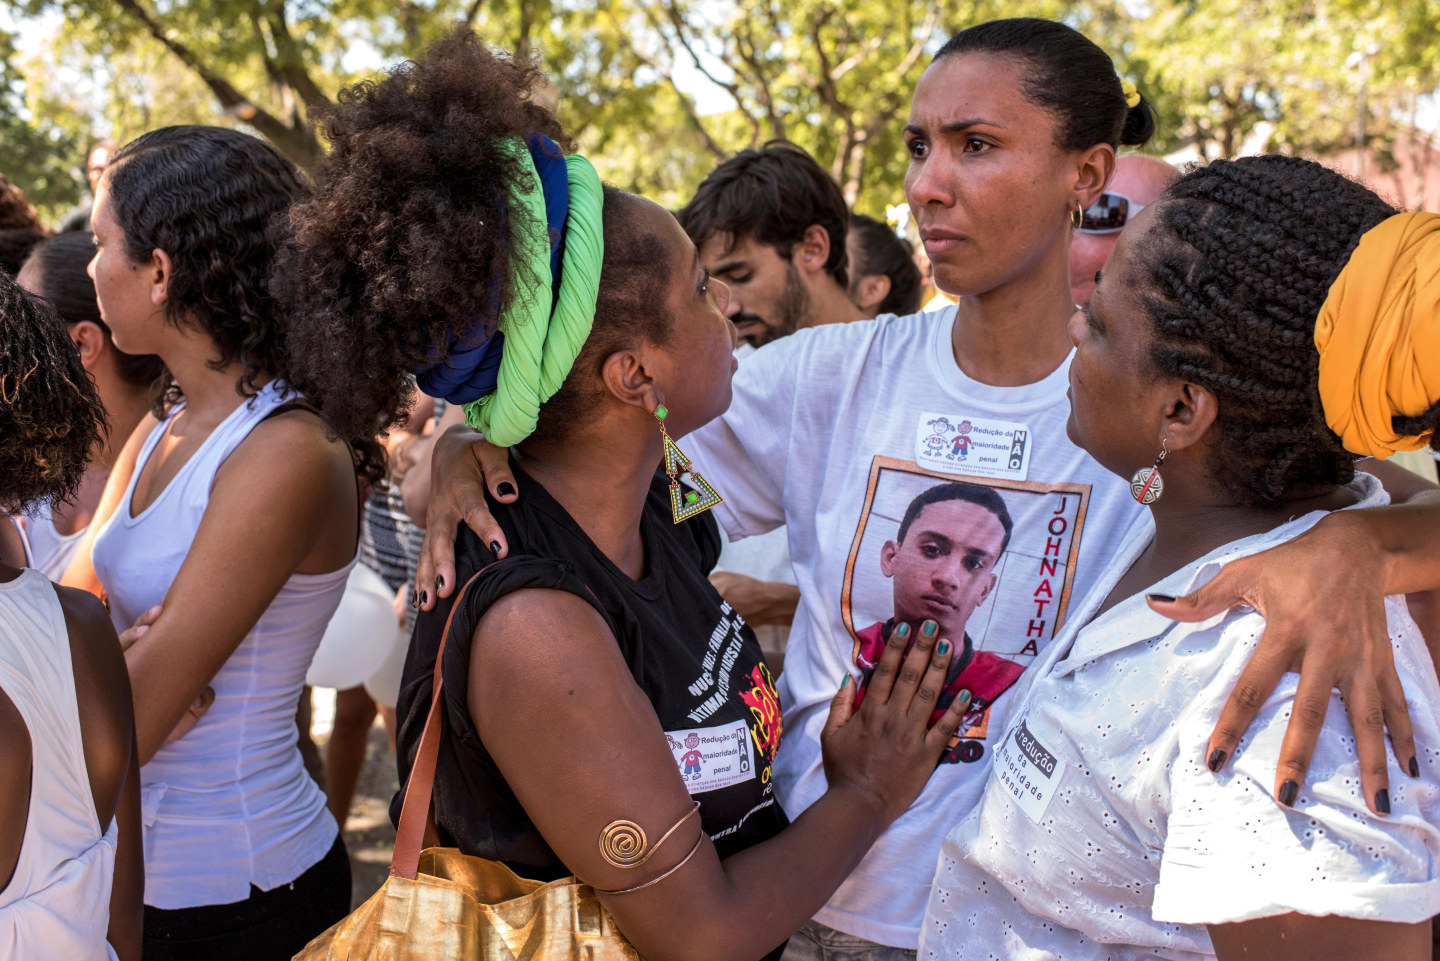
column 70, row 846
column 225, row 536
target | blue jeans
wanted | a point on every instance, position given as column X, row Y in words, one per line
column 816, row 942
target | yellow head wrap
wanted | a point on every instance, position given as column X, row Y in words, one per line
column 1378, row 334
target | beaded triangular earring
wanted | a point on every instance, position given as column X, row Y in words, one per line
column 684, row 504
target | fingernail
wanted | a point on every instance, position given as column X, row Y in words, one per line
column 1382, row 801
column 1159, row 598
column 1288, row 791
column 1217, row 760
column 439, row 582
column 943, row 648
column 903, row 631
column 414, row 599
column 141, row 629
column 424, row 597
column 963, row 697
column 495, row 548
column 845, row 683
column 929, row 628
column 1414, row 768
column 506, row 489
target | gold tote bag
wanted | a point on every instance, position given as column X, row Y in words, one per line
column 441, row 905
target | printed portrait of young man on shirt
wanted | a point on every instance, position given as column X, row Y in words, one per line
column 942, row 566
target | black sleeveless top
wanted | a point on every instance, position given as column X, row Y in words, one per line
column 694, row 657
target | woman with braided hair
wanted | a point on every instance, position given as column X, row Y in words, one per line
column 605, row 713
column 1259, row 328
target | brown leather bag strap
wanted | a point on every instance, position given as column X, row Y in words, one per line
column 415, row 810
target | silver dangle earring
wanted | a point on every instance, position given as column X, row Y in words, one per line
column 1146, row 485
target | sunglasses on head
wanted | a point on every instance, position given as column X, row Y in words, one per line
column 1109, row 214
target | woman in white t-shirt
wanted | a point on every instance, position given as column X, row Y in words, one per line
column 1258, row 329
column 835, row 431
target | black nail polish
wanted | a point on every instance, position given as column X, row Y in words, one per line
column 439, row 582
column 495, row 548
column 424, row 597
column 414, row 599
column 1414, row 768
column 506, row 489
column 1160, row 598
column 1288, row 792
column 1382, row 801
column 1217, row 760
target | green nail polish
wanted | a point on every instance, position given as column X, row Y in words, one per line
column 845, row 683
column 903, row 631
column 963, row 697
column 929, row 628
column 944, row 647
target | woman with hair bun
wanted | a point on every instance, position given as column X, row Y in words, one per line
column 605, row 713
column 225, row 535
column 58, row 271
column 1012, row 135
column 1262, row 325
column 71, row 878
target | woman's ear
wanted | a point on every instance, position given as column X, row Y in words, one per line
column 1093, row 173
column 89, row 342
column 870, row 292
column 161, row 269
column 627, row 379
column 1190, row 415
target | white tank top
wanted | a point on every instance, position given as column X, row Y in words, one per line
column 229, row 804
column 58, row 903
column 50, row 550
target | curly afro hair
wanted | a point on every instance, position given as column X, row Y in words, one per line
column 1237, row 265
column 407, row 240
column 50, row 412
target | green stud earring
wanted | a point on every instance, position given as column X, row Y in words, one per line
column 661, row 412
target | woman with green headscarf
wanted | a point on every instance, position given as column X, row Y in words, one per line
column 606, row 713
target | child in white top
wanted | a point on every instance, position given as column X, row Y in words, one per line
column 1101, row 834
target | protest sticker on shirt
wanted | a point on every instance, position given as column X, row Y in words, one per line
column 1028, row 771
column 977, row 446
column 711, row 758
column 991, row 561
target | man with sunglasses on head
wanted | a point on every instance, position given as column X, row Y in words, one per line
column 1138, row 180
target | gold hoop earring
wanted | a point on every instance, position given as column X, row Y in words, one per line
column 684, row 504
column 1077, row 216
column 1146, row 485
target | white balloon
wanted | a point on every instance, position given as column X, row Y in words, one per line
column 384, row 684
column 359, row 637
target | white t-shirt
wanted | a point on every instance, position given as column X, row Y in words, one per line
column 1102, row 834
column 50, row 550
column 834, row 432
column 765, row 557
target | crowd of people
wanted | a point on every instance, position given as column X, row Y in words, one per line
column 1039, row 590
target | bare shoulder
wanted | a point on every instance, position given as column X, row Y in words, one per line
column 300, row 438
column 537, row 627
column 540, row 646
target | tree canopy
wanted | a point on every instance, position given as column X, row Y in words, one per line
column 1309, row 76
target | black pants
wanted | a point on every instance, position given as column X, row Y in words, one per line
column 267, row 926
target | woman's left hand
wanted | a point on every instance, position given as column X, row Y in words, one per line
column 1323, row 599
